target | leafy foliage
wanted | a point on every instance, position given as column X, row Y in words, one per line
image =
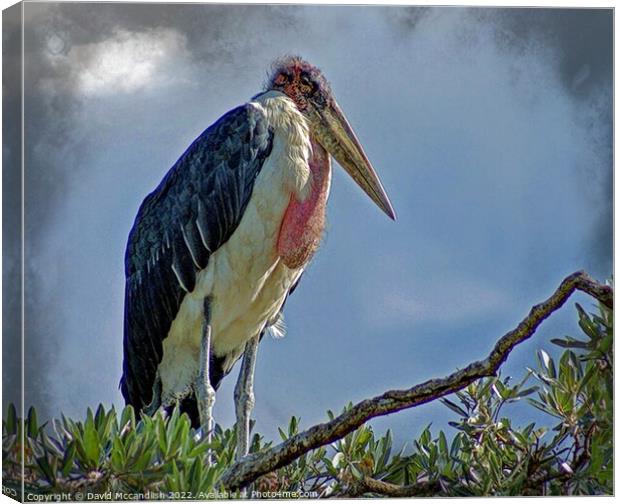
column 486, row 454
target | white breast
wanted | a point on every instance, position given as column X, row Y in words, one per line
column 245, row 279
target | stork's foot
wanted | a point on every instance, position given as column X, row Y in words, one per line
column 205, row 393
column 244, row 397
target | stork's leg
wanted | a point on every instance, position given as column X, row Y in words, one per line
column 205, row 393
column 155, row 403
column 244, row 396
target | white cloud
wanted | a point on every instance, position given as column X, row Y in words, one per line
column 126, row 62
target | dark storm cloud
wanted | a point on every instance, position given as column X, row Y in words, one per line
column 582, row 39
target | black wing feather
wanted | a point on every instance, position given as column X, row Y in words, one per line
column 193, row 211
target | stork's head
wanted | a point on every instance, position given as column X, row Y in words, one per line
column 308, row 88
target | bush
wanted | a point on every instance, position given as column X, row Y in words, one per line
column 486, row 454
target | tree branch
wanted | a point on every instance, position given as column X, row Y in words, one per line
column 371, row 485
column 255, row 465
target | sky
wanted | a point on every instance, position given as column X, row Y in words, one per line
column 490, row 128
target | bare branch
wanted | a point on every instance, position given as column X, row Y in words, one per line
column 255, row 465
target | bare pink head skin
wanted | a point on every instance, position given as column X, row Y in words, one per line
column 305, row 84
column 301, row 82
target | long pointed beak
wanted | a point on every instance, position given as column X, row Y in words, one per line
column 334, row 132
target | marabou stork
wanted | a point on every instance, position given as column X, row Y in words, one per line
column 220, row 244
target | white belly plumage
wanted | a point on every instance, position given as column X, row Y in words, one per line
column 245, row 280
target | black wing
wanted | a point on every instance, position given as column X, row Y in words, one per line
column 194, row 210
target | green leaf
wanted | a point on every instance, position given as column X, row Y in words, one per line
column 92, row 445
column 527, row 391
column 606, row 343
column 456, row 445
column 100, row 417
column 292, row 428
column 195, row 474
column 499, row 390
column 67, row 460
column 363, row 438
column 546, row 363
column 425, row 437
column 331, row 469
column 355, row 471
column 46, row 469
column 569, row 342
column 143, row 460
column 454, row 407
column 33, row 428
column 162, row 439
column 128, row 418
column 443, row 444
column 11, row 420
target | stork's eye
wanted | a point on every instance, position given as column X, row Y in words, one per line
column 305, row 85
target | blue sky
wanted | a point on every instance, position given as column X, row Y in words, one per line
column 490, row 128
